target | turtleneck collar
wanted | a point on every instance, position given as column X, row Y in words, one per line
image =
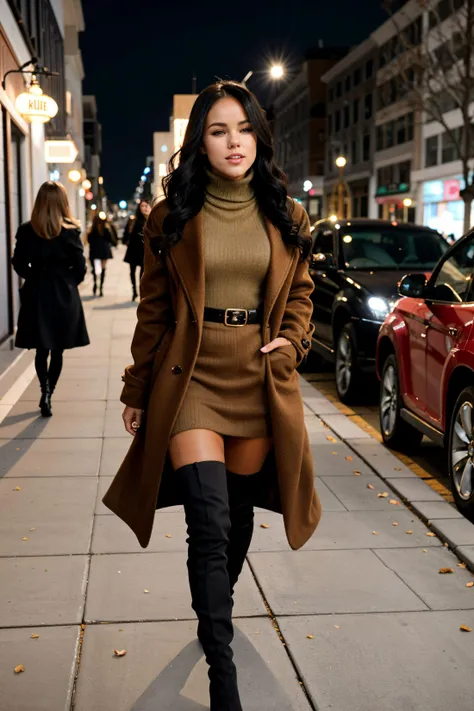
column 230, row 193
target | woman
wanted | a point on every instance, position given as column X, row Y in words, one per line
column 100, row 238
column 213, row 397
column 133, row 238
column 50, row 257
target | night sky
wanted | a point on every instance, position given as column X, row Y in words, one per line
column 136, row 59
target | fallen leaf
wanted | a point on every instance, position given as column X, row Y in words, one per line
column 431, row 534
column 338, row 627
column 17, row 488
column 395, row 523
column 444, row 571
column 17, row 449
column 424, row 550
column 394, row 502
column 356, row 472
column 32, row 529
column 462, row 565
column 120, row 652
column 168, row 535
column 146, row 591
column 470, row 584
column 20, row 668
column 119, row 571
column 369, row 486
column 409, row 532
column 349, row 458
column 264, row 525
column 446, row 545
column 35, row 636
column 334, row 453
column 397, row 469
column 375, row 533
column 310, row 636
column 330, row 439
column 25, row 539
column 463, row 628
column 383, row 495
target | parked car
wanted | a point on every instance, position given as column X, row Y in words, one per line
column 425, row 360
column 356, row 265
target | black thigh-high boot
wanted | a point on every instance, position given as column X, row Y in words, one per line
column 102, row 279
column 41, row 365
column 94, row 277
column 133, row 279
column 206, row 505
column 55, row 368
column 240, row 490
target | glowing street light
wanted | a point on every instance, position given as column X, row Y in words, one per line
column 407, row 202
column 277, row 71
column 86, row 184
column 74, row 175
column 123, row 204
column 341, row 162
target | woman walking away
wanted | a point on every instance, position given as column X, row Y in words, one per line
column 100, row 238
column 133, row 238
column 223, row 321
column 50, row 258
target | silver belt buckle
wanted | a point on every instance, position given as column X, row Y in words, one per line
column 232, row 315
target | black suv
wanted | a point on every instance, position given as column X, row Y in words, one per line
column 356, row 266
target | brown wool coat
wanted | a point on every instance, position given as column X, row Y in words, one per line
column 165, row 347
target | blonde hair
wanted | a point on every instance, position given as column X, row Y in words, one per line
column 51, row 211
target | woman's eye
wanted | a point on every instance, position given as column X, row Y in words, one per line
column 218, row 133
column 249, row 129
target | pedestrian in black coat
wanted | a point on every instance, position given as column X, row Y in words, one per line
column 100, row 238
column 49, row 256
column 133, row 238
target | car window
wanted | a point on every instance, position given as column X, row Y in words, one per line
column 453, row 281
column 391, row 247
column 324, row 242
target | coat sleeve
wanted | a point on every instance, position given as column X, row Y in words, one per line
column 78, row 260
column 21, row 257
column 155, row 316
column 296, row 324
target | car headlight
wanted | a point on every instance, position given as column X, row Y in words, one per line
column 380, row 307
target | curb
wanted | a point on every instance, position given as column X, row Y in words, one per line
column 455, row 531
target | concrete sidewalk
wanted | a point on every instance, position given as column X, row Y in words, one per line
column 361, row 619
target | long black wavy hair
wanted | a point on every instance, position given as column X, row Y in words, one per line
column 185, row 184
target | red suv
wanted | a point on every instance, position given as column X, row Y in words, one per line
column 425, row 362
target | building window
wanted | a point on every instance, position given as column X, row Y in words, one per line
column 355, row 111
column 354, row 152
column 329, row 124
column 338, row 89
column 357, row 76
column 389, row 135
column 331, row 93
column 347, row 84
column 400, row 130
column 449, row 151
column 368, row 106
column 369, row 68
column 431, row 151
column 366, row 147
column 380, row 138
column 404, row 170
column 337, row 121
column 347, row 117
column 410, row 126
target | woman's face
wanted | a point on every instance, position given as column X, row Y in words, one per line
column 145, row 208
column 229, row 140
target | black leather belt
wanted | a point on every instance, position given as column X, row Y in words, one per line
column 232, row 317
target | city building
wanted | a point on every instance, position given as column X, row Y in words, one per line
column 92, row 143
column 299, row 127
column 351, row 131
column 32, row 151
column 167, row 143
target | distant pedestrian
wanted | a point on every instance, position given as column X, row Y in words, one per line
column 133, row 238
column 223, row 322
column 100, row 238
column 49, row 256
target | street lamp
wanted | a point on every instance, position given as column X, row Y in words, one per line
column 407, row 202
column 341, row 193
column 276, row 71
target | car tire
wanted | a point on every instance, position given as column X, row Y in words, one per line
column 396, row 433
column 461, row 452
column 348, row 375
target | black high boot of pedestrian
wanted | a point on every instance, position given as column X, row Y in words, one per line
column 94, row 277
column 240, row 490
column 206, row 505
column 45, row 402
column 102, row 279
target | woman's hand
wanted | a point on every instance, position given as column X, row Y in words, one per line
column 132, row 419
column 276, row 343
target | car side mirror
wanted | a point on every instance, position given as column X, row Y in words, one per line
column 413, row 285
column 323, row 260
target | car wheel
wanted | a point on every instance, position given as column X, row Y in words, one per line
column 396, row 433
column 461, row 452
column 347, row 372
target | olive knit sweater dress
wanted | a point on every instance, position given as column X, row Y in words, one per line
column 227, row 391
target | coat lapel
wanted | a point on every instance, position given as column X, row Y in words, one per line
column 281, row 259
column 188, row 259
